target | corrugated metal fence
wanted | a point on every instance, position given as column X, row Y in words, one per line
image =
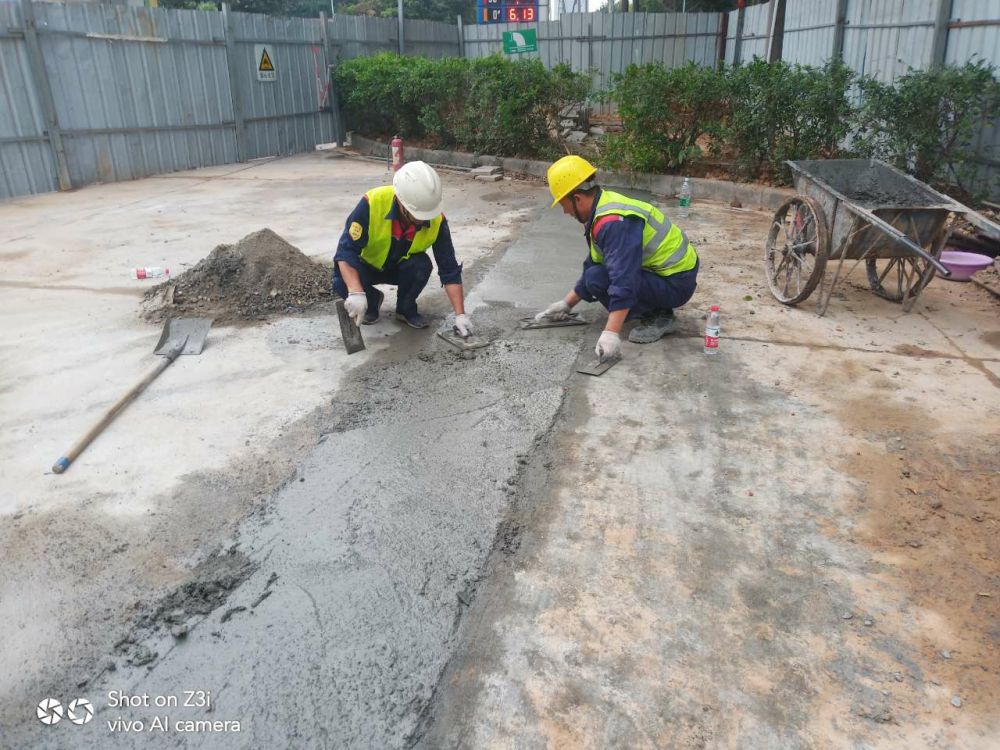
column 604, row 44
column 98, row 93
column 94, row 92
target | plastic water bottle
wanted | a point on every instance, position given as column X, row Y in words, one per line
column 685, row 198
column 149, row 273
column 712, row 332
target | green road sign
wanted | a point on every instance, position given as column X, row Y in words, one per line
column 516, row 42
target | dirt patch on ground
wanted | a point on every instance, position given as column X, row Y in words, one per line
column 259, row 276
column 928, row 512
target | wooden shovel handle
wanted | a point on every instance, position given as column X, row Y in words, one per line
column 64, row 461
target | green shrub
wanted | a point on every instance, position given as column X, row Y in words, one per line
column 378, row 91
column 664, row 112
column 926, row 123
column 779, row 111
column 490, row 105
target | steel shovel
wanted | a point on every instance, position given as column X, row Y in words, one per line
column 180, row 336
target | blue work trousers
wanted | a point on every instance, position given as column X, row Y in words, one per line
column 655, row 292
column 410, row 276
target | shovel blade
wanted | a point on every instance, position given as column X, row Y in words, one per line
column 349, row 331
column 188, row 334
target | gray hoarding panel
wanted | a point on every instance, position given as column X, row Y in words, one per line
column 138, row 91
column 883, row 38
column 26, row 161
column 809, row 32
column 979, row 42
column 285, row 115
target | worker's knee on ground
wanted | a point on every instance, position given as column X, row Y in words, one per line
column 596, row 280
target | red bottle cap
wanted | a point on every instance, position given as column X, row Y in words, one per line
column 715, row 308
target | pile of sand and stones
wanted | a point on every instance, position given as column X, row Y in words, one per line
column 259, row 276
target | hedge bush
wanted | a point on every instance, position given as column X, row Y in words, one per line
column 928, row 120
column 755, row 115
column 778, row 111
column 664, row 112
column 489, row 105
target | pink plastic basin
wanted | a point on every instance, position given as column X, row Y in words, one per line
column 963, row 265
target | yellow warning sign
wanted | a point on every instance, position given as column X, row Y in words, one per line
column 264, row 57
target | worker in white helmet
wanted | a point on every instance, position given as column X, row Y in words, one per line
column 385, row 241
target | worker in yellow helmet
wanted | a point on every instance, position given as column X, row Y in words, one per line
column 640, row 264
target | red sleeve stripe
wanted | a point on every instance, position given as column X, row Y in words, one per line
column 602, row 221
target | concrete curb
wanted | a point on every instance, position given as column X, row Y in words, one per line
column 751, row 196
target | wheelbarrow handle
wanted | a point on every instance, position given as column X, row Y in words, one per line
column 64, row 461
column 899, row 237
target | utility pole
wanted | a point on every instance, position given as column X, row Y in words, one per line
column 402, row 44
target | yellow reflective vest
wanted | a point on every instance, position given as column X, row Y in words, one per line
column 380, row 229
column 665, row 248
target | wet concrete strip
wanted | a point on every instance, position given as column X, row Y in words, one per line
column 371, row 555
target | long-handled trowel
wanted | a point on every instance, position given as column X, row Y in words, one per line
column 349, row 330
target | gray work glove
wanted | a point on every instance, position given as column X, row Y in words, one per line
column 556, row 311
column 356, row 305
column 609, row 346
column 463, row 325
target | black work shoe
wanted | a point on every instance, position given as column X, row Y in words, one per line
column 413, row 320
column 371, row 314
column 653, row 327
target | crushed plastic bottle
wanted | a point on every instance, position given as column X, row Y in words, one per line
column 712, row 332
column 685, row 199
column 149, row 273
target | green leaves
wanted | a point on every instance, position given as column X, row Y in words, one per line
column 490, row 105
column 779, row 111
column 928, row 121
column 664, row 112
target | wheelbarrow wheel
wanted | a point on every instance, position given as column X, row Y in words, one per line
column 797, row 249
column 899, row 279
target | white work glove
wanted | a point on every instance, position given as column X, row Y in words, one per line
column 463, row 324
column 609, row 346
column 356, row 305
column 556, row 311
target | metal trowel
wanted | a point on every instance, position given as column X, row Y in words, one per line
column 349, row 330
column 599, row 366
column 465, row 343
column 530, row 324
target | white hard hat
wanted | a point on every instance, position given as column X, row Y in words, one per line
column 418, row 188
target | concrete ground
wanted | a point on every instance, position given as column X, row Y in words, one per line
column 793, row 545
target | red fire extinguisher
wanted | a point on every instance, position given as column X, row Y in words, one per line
column 396, row 149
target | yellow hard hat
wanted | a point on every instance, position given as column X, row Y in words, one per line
column 567, row 174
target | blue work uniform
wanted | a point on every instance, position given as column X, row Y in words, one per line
column 620, row 282
column 410, row 275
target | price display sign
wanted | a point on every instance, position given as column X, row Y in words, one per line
column 507, row 11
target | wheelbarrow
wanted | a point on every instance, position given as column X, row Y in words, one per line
column 860, row 210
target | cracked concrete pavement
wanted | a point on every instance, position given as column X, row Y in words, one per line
column 412, row 546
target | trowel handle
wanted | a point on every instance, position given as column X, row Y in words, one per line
column 64, row 461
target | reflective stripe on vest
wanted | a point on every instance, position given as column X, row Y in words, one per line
column 380, row 229
column 665, row 247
